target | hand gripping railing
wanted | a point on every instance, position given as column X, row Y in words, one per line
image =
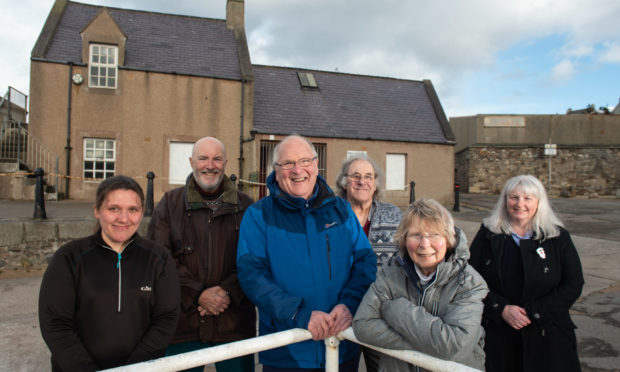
column 262, row 343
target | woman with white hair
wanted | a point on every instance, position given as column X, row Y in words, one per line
column 534, row 276
column 426, row 298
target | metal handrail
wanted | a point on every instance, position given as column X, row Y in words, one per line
column 17, row 144
column 262, row 343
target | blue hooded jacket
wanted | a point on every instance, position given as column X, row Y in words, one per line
column 296, row 256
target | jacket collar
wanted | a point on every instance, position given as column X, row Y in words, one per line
column 193, row 200
column 322, row 194
column 98, row 240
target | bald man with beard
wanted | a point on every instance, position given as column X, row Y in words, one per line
column 199, row 223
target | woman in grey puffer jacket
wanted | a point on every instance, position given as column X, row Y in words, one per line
column 427, row 298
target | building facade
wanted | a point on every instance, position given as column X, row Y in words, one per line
column 117, row 91
column 573, row 155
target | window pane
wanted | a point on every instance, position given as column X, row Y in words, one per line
column 89, row 154
column 89, row 143
column 88, row 165
column 99, row 175
column 95, row 50
column 109, row 144
column 102, row 81
column 111, row 83
column 111, row 57
column 111, row 72
column 99, row 144
column 99, row 154
column 99, row 165
column 110, row 165
column 109, row 154
column 88, row 174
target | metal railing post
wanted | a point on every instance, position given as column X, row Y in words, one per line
column 411, row 192
column 457, row 189
column 233, row 178
column 19, row 144
column 331, row 354
column 39, row 196
column 148, row 210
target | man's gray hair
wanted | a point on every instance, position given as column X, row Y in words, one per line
column 341, row 180
column 276, row 150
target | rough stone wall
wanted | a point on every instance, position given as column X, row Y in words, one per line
column 30, row 244
column 574, row 170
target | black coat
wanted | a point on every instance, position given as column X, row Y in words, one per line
column 552, row 282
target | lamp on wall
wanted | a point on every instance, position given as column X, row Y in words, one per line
column 78, row 79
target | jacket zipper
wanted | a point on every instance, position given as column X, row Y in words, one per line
column 329, row 264
column 118, row 266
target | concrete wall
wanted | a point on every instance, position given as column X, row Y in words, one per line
column 430, row 166
column 145, row 114
column 599, row 130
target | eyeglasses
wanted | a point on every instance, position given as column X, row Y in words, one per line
column 432, row 237
column 368, row 178
column 303, row 162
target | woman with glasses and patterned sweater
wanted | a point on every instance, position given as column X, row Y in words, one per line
column 360, row 182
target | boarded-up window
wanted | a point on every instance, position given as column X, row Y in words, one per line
column 178, row 162
column 395, row 166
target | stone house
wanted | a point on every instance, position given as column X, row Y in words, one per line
column 576, row 154
column 117, row 91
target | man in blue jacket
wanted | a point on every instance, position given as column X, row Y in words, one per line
column 304, row 260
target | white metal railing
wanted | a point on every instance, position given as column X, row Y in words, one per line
column 262, row 343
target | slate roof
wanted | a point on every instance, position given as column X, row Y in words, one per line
column 155, row 41
column 346, row 106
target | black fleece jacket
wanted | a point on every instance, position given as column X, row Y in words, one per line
column 99, row 309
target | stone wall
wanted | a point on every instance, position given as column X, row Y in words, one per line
column 575, row 171
column 29, row 244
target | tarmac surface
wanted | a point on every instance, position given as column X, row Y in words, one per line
column 594, row 225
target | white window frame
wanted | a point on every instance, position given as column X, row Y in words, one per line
column 103, row 66
column 99, row 158
column 395, row 171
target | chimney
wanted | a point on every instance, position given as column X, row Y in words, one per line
column 235, row 14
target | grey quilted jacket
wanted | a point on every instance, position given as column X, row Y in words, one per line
column 442, row 320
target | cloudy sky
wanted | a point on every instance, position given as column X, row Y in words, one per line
column 483, row 56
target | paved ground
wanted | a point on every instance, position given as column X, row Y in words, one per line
column 594, row 225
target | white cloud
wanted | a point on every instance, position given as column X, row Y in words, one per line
column 562, row 72
column 611, row 53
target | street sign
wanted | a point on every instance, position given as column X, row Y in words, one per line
column 551, row 149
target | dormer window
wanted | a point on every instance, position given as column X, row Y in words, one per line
column 103, row 66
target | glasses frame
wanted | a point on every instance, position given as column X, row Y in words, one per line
column 288, row 165
column 431, row 237
column 358, row 177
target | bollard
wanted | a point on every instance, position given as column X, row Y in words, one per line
column 457, row 188
column 39, row 196
column 148, row 210
column 233, row 178
column 411, row 192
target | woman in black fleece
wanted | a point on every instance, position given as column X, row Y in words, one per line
column 112, row 298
